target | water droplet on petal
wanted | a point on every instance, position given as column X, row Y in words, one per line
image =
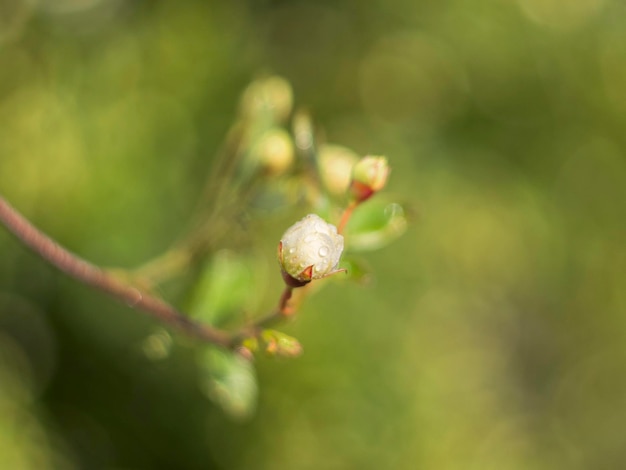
column 323, row 251
column 292, row 250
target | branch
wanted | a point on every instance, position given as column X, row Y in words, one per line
column 93, row 276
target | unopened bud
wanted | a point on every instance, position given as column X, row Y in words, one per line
column 250, row 344
column 310, row 249
column 274, row 151
column 271, row 96
column 335, row 164
column 369, row 176
column 280, row 345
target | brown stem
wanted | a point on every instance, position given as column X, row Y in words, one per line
column 93, row 276
column 283, row 308
column 347, row 213
column 282, row 311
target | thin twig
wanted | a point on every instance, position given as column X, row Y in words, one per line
column 93, row 276
column 283, row 306
column 345, row 217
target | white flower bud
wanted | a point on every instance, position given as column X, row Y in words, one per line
column 310, row 249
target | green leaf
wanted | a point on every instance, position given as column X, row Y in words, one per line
column 229, row 380
column 229, row 285
column 375, row 224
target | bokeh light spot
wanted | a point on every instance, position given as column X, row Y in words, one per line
column 563, row 15
column 412, row 76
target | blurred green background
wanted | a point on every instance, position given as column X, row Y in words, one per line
column 493, row 335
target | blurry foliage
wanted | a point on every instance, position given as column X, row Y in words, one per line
column 492, row 336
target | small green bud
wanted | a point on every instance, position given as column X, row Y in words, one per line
column 251, row 344
column 309, row 249
column 369, row 176
column 274, row 151
column 280, row 345
column 271, row 96
column 335, row 167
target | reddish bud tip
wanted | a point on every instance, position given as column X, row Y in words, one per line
column 369, row 176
